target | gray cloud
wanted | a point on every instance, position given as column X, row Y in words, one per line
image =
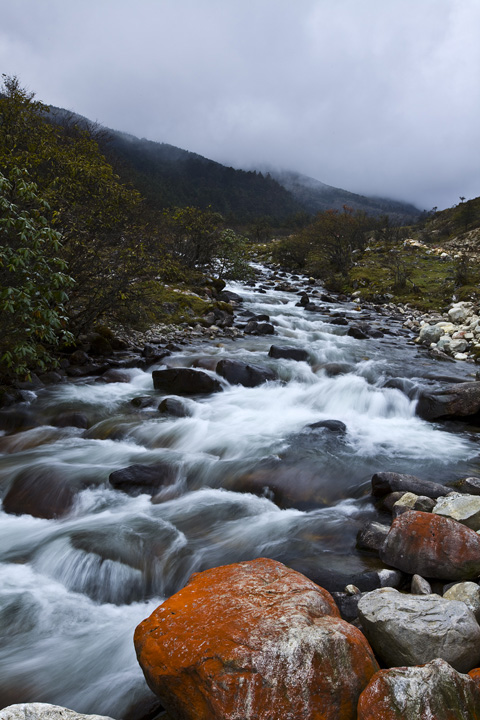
column 375, row 97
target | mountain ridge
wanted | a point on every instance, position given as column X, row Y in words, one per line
column 167, row 176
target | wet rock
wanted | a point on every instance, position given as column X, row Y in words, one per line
column 293, row 484
column 288, row 353
column 424, row 504
column 460, row 400
column 71, row 418
column 258, row 328
column 143, row 401
column 16, row 418
column 434, row 690
column 43, row 492
column 469, row 485
column 240, row 373
column 409, row 388
column 230, row 297
column 153, row 353
column 334, row 369
column 114, row 375
column 374, row 579
column 174, row 406
column 357, row 332
column 336, row 426
column 347, row 604
column 79, row 357
column 388, row 501
column 256, row 636
column 138, row 479
column 432, row 546
column 184, row 381
column 338, row 321
column 462, row 508
column 206, row 363
column 467, row 592
column 388, row 482
column 372, row 536
column 44, row 711
column 404, row 503
column 420, row 586
column 414, row 629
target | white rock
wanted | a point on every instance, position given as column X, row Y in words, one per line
column 44, row 711
column 462, row 508
column 459, row 312
column 461, row 356
column 467, row 592
column 458, row 346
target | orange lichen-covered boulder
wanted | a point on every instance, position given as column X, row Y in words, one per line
column 254, row 640
column 428, row 692
column 432, row 546
column 475, row 675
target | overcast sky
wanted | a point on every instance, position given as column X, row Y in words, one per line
column 379, row 97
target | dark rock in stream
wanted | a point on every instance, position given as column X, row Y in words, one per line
column 372, row 536
column 71, row 418
column 336, row 426
column 259, row 328
column 43, row 492
column 184, row 381
column 240, row 373
column 454, row 401
column 230, row 297
column 384, row 483
column 288, row 353
column 138, row 479
column 16, row 418
column 174, row 406
column 357, row 332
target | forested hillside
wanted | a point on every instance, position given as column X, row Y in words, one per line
column 168, row 176
column 78, row 247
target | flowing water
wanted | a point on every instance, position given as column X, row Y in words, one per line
column 250, row 479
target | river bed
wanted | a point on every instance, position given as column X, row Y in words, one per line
column 250, row 479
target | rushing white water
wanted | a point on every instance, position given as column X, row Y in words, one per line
column 73, row 589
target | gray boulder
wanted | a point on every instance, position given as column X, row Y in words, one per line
column 461, row 400
column 415, row 629
column 430, row 334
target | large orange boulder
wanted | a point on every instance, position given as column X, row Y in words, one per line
column 254, row 640
column 428, row 692
column 432, row 546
